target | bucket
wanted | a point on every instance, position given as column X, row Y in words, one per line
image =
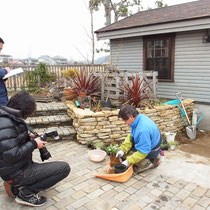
column 170, row 137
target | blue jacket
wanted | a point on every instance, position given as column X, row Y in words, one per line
column 3, row 90
column 146, row 134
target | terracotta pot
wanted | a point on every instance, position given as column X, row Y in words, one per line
column 82, row 94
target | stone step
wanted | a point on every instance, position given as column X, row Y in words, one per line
column 49, row 121
column 53, row 108
column 64, row 132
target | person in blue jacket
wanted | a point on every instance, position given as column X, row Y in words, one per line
column 3, row 89
column 142, row 145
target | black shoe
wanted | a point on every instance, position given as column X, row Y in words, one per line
column 30, row 200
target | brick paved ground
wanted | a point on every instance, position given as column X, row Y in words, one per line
column 81, row 190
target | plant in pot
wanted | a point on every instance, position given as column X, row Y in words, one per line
column 170, row 136
column 99, row 145
column 112, row 150
column 86, row 82
column 172, row 145
column 136, row 91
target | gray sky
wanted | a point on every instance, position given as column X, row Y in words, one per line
column 51, row 27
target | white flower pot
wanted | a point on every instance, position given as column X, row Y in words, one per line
column 170, row 137
column 172, row 147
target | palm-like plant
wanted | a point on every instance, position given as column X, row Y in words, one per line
column 135, row 91
column 87, row 82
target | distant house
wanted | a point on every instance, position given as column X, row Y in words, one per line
column 46, row 59
column 30, row 61
column 174, row 40
column 60, row 60
column 5, row 58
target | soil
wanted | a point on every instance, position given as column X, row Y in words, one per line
column 199, row 146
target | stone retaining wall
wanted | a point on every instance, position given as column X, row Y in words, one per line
column 107, row 127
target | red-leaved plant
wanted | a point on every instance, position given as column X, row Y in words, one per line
column 135, row 91
column 86, row 82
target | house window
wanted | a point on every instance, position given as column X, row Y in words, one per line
column 159, row 56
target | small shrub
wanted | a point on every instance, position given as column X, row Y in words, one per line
column 112, row 149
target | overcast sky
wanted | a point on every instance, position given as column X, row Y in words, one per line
column 51, row 27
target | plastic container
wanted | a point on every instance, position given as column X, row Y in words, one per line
column 170, row 137
column 97, row 155
column 120, row 168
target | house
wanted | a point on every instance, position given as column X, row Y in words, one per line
column 46, row 59
column 30, row 61
column 174, row 40
column 60, row 60
column 5, row 58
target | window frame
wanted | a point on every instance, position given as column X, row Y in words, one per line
column 171, row 50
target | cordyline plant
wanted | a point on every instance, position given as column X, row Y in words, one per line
column 136, row 92
column 86, row 82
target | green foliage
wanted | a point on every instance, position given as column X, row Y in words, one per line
column 32, row 78
column 86, row 82
column 112, row 149
column 173, row 143
column 136, row 92
column 99, row 145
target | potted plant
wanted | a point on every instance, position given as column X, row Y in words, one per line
column 172, row 145
column 112, row 150
column 82, row 93
column 99, row 145
column 170, row 136
column 135, row 91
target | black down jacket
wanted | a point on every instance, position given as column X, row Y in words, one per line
column 15, row 145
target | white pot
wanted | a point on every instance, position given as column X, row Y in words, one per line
column 172, row 147
column 170, row 137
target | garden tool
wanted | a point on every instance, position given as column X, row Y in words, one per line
column 190, row 129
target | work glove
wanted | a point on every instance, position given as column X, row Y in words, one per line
column 119, row 154
column 125, row 162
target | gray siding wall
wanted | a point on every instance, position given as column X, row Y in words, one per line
column 127, row 54
column 191, row 70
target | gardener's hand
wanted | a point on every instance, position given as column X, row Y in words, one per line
column 125, row 162
column 119, row 154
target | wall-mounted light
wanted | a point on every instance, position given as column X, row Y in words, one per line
column 206, row 36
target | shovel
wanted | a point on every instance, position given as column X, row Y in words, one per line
column 190, row 129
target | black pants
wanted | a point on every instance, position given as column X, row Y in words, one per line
column 41, row 176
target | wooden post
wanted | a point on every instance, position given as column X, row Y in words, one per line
column 15, row 83
column 102, row 86
column 154, row 76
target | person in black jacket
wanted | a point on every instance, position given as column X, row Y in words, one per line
column 26, row 177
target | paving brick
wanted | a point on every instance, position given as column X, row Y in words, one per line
column 199, row 191
column 143, row 191
column 95, row 194
column 79, row 202
column 121, row 196
column 190, row 186
column 182, row 194
column 130, row 190
column 198, row 207
column 204, row 201
column 78, row 194
column 189, row 201
column 64, row 202
column 208, row 193
column 156, row 192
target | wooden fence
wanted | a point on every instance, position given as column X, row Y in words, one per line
column 17, row 82
column 111, row 80
column 112, row 85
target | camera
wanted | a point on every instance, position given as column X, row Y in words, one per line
column 44, row 153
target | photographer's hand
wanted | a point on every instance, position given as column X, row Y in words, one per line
column 40, row 143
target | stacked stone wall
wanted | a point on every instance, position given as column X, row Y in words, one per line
column 107, row 127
